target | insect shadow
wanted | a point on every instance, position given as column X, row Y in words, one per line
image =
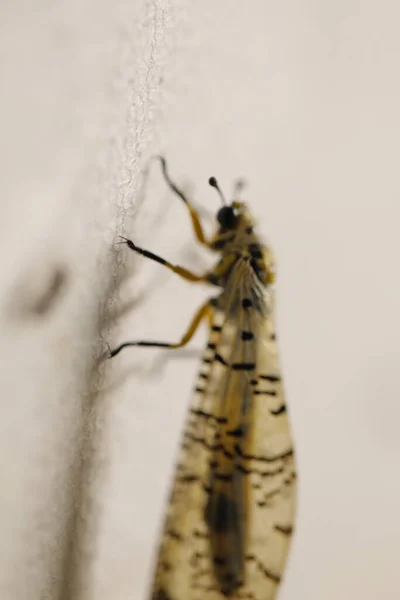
column 154, row 371
column 38, row 297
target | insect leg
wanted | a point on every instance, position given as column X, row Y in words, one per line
column 181, row 271
column 196, row 223
column 206, row 311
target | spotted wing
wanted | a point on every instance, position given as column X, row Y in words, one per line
column 231, row 509
column 271, row 473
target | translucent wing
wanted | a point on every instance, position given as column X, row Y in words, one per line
column 231, row 510
column 272, row 477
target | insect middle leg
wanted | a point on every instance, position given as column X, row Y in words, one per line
column 205, row 312
column 181, row 271
column 208, row 277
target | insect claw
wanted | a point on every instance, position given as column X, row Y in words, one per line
column 127, row 241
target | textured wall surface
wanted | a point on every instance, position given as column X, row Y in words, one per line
column 302, row 100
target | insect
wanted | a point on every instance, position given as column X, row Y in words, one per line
column 230, row 517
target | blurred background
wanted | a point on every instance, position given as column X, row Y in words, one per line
column 302, row 100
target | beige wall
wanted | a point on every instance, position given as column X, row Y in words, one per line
column 303, row 100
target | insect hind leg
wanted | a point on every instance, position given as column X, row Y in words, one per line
column 205, row 312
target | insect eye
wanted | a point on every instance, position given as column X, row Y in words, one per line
column 227, row 217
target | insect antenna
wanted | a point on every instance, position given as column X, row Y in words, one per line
column 238, row 186
column 214, row 183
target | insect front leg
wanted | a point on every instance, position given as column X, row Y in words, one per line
column 196, row 223
column 205, row 312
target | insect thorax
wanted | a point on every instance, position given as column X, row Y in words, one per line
column 244, row 272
